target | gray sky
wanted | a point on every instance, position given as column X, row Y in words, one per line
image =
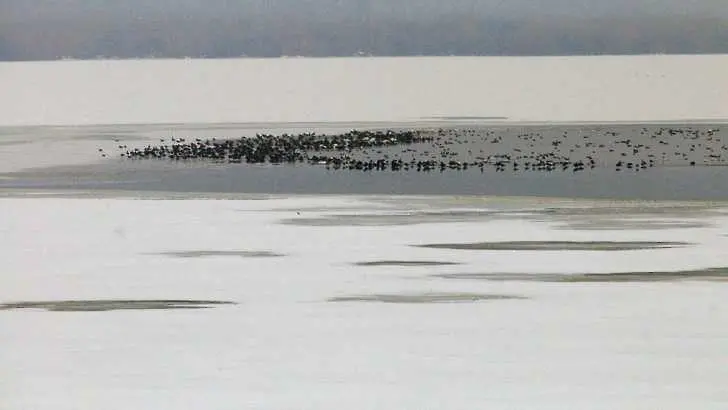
column 47, row 29
column 418, row 6
column 24, row 9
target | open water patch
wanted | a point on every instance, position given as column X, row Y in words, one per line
column 113, row 304
column 555, row 245
column 708, row 274
column 212, row 253
column 426, row 297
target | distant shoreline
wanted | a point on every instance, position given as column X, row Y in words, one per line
column 425, row 122
column 102, row 59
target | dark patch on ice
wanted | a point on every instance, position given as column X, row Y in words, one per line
column 392, row 219
column 464, row 118
column 203, row 254
column 405, row 263
column 627, row 224
column 709, row 274
column 113, row 304
column 315, row 209
column 637, row 216
column 555, row 245
column 14, row 142
column 427, row 297
column 644, row 208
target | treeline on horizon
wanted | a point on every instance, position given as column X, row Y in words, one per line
column 273, row 37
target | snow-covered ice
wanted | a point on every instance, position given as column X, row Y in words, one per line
column 628, row 345
column 588, row 88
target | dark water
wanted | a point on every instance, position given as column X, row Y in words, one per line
column 671, row 179
column 664, row 183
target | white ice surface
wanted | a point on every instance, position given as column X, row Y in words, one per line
column 567, row 346
column 590, row 88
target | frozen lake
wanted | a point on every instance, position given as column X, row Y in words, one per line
column 335, row 304
column 165, row 285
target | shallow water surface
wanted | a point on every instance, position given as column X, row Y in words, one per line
column 669, row 179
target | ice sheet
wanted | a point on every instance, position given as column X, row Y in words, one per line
column 283, row 345
column 589, row 88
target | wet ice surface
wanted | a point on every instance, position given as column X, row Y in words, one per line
column 404, row 263
column 554, row 245
column 426, row 297
column 106, row 305
column 209, row 253
column 89, row 290
column 716, row 274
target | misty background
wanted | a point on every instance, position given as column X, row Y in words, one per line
column 53, row 29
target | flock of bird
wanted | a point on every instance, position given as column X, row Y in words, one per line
column 546, row 149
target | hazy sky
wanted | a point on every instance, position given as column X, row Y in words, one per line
column 47, row 29
column 14, row 9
